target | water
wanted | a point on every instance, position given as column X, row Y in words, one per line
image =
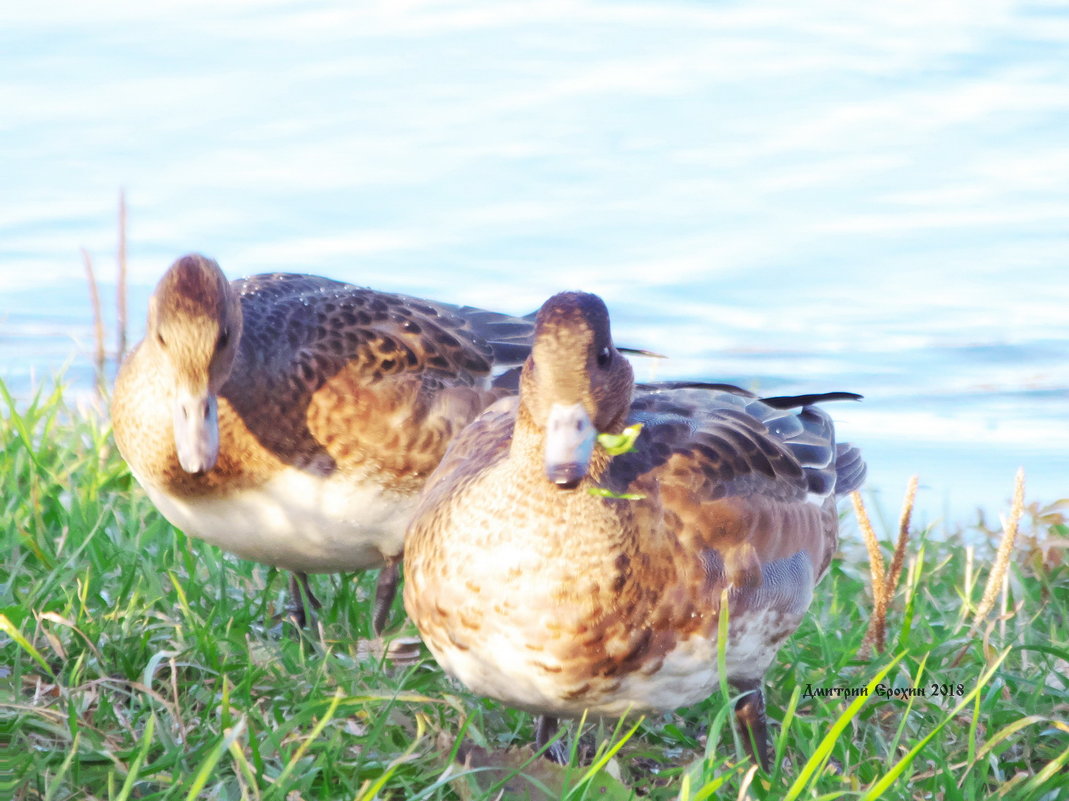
column 790, row 198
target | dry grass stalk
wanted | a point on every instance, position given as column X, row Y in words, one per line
column 884, row 583
column 874, row 633
column 876, row 564
column 1005, row 550
column 998, row 576
column 98, row 318
column 120, row 289
column 903, row 533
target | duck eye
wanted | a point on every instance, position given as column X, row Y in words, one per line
column 604, row 357
column 224, row 337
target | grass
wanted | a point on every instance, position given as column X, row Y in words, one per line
column 136, row 663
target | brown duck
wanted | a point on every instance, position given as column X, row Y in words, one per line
column 292, row 419
column 532, row 589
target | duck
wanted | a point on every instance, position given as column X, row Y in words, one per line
column 558, row 576
column 292, row 419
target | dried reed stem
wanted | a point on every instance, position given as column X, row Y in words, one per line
column 98, row 318
column 903, row 533
column 998, row 575
column 120, row 289
column 883, row 583
column 876, row 564
column 874, row 633
column 1005, row 550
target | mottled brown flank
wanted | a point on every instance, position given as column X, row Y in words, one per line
column 616, row 585
column 328, row 377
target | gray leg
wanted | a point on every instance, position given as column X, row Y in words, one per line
column 753, row 726
column 545, row 730
column 300, row 594
column 385, row 591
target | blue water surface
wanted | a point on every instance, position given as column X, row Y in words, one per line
column 790, row 197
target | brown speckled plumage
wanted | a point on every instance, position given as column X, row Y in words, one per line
column 321, row 386
column 556, row 600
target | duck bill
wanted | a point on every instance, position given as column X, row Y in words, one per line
column 570, row 437
column 196, row 431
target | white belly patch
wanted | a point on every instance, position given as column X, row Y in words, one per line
column 298, row 522
column 501, row 666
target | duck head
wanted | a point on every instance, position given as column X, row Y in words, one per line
column 575, row 383
column 194, row 325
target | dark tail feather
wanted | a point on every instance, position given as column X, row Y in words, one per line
column 794, row 401
column 658, row 386
column 850, row 468
column 776, row 402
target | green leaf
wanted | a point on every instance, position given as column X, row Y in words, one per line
column 624, row 442
column 603, row 492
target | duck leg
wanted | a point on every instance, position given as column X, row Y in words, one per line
column 300, row 595
column 546, row 729
column 385, row 591
column 753, row 726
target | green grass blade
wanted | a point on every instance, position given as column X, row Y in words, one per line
column 204, row 772
column 900, row 731
column 710, row 788
column 823, row 751
column 12, row 631
column 18, row 422
column 306, row 743
column 57, row 780
column 1007, row 731
column 600, row 763
column 373, row 790
column 877, row 790
column 135, row 766
column 244, row 768
column 1052, row 769
column 974, row 725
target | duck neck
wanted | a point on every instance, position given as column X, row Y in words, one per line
column 585, row 541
